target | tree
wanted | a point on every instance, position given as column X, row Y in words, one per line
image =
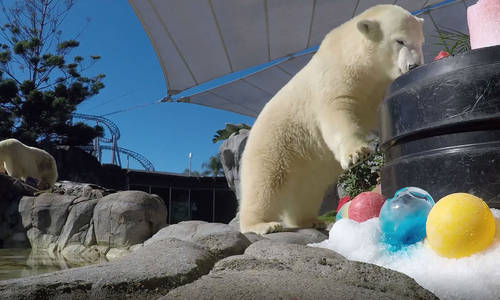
column 41, row 83
column 192, row 173
column 223, row 134
column 213, row 166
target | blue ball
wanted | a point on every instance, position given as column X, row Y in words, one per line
column 403, row 217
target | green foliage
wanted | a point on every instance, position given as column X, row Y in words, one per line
column 68, row 44
column 454, row 41
column 364, row 176
column 8, row 90
column 328, row 217
column 213, row 167
column 41, row 83
column 225, row 133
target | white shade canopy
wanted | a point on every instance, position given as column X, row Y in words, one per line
column 236, row 54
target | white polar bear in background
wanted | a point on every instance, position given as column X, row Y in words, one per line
column 21, row 161
column 317, row 124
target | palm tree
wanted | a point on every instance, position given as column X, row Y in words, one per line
column 213, row 166
column 225, row 133
column 192, row 173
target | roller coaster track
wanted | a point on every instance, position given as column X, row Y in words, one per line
column 115, row 136
column 112, row 127
column 146, row 164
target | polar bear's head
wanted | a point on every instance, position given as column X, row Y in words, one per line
column 397, row 36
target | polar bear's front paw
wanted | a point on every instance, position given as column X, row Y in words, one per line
column 357, row 155
column 263, row 228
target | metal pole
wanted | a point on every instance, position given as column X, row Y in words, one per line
column 189, row 167
column 113, row 150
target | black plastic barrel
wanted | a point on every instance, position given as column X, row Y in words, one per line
column 440, row 127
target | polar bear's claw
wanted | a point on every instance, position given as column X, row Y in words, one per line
column 264, row 228
column 274, row 227
column 360, row 155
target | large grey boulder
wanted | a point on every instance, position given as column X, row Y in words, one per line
column 82, row 222
column 12, row 234
column 220, row 239
column 127, row 218
column 44, row 217
column 145, row 274
column 271, row 270
column 300, row 236
column 230, row 152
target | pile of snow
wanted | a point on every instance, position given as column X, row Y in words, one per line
column 473, row 277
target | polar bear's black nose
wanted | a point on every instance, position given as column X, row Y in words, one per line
column 413, row 66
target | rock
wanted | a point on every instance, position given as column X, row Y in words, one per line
column 77, row 223
column 12, row 234
column 84, row 222
column 230, row 152
column 127, row 218
column 253, row 237
column 235, row 222
column 44, row 217
column 220, row 239
column 76, row 165
column 87, row 190
column 145, row 274
column 300, row 236
column 271, row 270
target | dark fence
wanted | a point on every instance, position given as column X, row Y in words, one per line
column 188, row 197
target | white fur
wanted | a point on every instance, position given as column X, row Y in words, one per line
column 317, row 124
column 21, row 161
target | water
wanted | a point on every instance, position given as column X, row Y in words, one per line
column 17, row 263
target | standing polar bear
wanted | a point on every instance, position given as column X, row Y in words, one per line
column 317, row 124
column 21, row 161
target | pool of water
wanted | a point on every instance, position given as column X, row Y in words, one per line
column 17, row 263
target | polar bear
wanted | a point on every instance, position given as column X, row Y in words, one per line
column 21, row 161
column 317, row 124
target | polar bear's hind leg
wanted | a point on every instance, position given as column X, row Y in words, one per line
column 262, row 199
column 305, row 193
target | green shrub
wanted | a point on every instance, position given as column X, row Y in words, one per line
column 364, row 176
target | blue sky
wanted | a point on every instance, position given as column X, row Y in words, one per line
column 165, row 133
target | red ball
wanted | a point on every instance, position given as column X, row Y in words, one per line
column 365, row 206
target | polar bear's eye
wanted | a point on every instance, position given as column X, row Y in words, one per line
column 400, row 42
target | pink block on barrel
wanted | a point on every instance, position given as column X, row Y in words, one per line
column 483, row 19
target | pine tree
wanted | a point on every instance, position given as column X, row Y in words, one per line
column 41, row 82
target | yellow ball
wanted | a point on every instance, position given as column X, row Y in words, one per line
column 460, row 225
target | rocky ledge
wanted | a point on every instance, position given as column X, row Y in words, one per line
column 80, row 223
column 199, row 260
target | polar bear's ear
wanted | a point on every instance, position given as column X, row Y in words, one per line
column 370, row 29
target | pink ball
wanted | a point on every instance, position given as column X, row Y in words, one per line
column 365, row 206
